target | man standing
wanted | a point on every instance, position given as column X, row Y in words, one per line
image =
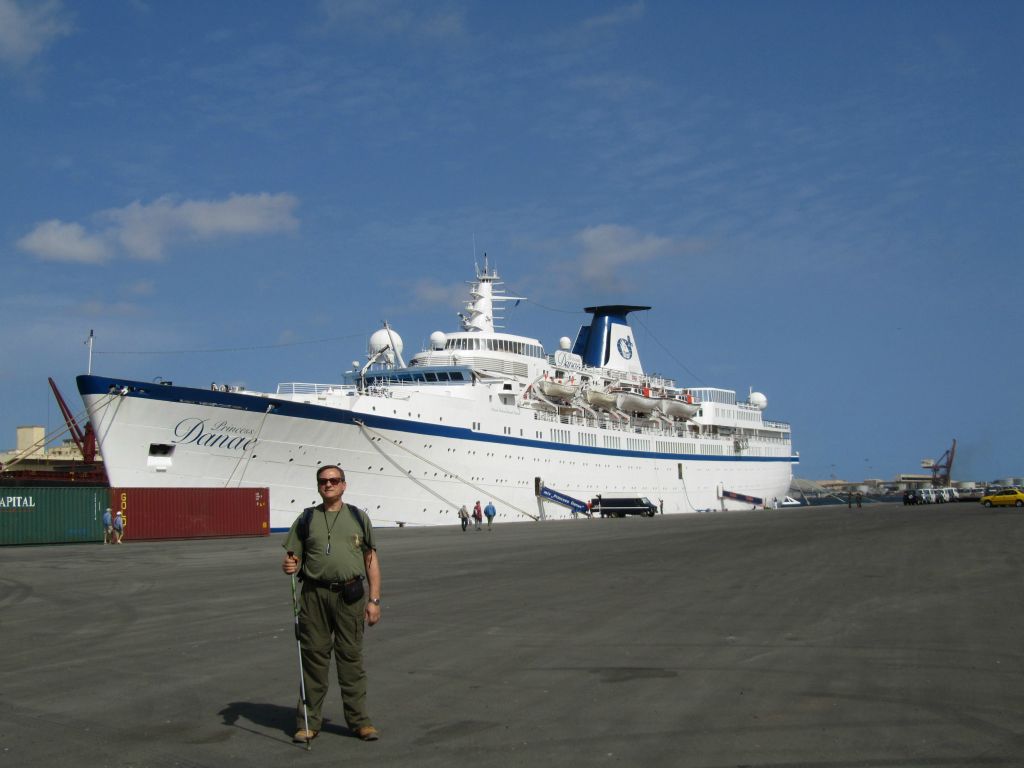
column 332, row 546
column 108, row 527
column 490, row 512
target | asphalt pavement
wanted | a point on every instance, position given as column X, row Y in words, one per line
column 801, row 638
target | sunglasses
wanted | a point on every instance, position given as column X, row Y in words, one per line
column 330, row 480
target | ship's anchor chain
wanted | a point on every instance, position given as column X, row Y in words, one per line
column 367, row 431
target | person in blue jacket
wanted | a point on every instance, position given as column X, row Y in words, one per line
column 108, row 527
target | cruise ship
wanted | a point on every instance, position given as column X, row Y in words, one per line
column 480, row 415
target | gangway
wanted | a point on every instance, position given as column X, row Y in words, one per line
column 550, row 494
column 742, row 497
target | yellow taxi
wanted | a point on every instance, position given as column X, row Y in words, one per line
column 1007, row 498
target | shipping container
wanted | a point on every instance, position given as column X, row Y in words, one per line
column 52, row 515
column 191, row 513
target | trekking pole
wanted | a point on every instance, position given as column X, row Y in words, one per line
column 302, row 679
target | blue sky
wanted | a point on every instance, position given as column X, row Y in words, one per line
column 821, row 200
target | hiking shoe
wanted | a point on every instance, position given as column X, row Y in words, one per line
column 302, row 736
column 367, row 733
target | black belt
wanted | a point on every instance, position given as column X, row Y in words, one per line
column 334, row 586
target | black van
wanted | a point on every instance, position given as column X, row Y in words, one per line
column 608, row 507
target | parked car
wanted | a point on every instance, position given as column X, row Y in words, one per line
column 1011, row 497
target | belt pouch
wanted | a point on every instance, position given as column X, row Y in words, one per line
column 352, row 591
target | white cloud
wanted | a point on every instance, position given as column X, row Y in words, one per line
column 141, row 288
column 610, row 253
column 621, row 15
column 56, row 241
column 26, row 31
column 608, row 248
column 144, row 231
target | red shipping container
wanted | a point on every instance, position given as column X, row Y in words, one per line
column 191, row 513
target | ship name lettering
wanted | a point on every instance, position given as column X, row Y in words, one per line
column 194, row 430
column 224, row 426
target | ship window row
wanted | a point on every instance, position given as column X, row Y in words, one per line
column 496, row 345
column 561, row 436
column 714, row 395
column 433, row 377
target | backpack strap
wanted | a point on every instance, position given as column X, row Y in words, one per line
column 360, row 517
column 303, row 527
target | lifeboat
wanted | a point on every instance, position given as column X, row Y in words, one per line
column 678, row 407
column 635, row 402
column 559, row 390
column 600, row 399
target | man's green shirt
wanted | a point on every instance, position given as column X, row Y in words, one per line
column 347, row 544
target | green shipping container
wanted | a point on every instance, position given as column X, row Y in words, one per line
column 52, row 515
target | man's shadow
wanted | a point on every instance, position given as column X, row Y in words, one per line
column 239, row 714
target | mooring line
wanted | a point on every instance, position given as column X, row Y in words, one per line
column 408, row 473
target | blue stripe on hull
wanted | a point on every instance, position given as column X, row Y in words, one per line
column 98, row 385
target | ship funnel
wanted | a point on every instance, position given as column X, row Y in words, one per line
column 608, row 341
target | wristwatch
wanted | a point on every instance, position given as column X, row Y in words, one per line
column 375, row 600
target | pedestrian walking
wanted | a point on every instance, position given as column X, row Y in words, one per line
column 108, row 527
column 489, row 513
column 478, row 515
column 120, row 523
column 331, row 547
column 464, row 517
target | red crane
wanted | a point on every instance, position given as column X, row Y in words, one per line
column 85, row 440
column 88, row 473
column 943, row 468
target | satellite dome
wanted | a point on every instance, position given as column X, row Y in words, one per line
column 383, row 339
column 758, row 400
column 437, row 340
column 565, row 343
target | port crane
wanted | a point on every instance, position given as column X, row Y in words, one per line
column 942, row 469
column 89, row 472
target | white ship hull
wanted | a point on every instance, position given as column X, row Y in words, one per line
column 403, row 468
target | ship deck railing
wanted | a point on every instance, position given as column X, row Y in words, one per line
column 300, row 388
column 682, row 431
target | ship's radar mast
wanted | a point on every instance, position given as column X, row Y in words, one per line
column 484, row 292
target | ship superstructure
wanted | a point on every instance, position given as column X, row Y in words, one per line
column 478, row 415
